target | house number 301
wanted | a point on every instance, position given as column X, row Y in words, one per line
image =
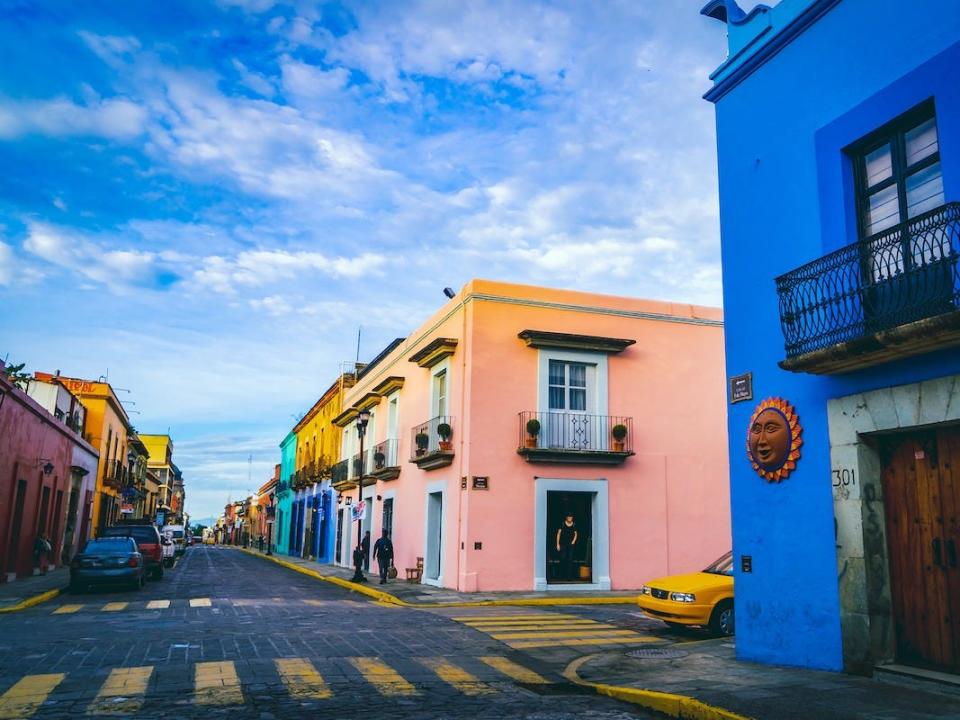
column 844, row 478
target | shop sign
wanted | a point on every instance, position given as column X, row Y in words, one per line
column 126, row 508
column 358, row 511
column 741, row 388
column 481, row 483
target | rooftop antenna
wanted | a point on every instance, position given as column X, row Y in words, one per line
column 359, row 329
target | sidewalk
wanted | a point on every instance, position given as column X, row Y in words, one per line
column 28, row 589
column 710, row 673
column 420, row 594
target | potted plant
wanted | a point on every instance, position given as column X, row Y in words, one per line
column 533, row 429
column 422, row 440
column 445, row 431
column 619, row 432
column 378, row 459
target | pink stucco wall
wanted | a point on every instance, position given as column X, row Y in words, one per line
column 668, row 504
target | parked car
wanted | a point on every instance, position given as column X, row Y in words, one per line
column 148, row 541
column 179, row 537
column 108, row 561
column 702, row 598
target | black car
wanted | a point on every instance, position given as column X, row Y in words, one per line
column 108, row 561
column 148, row 542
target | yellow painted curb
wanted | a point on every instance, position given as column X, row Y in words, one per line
column 31, row 601
column 394, row 600
column 678, row 706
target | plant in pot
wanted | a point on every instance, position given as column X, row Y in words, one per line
column 422, row 440
column 378, row 459
column 445, row 431
column 619, row 432
column 533, row 429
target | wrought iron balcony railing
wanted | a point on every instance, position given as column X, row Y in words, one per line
column 384, row 455
column 426, row 439
column 899, row 276
column 340, row 472
column 575, row 432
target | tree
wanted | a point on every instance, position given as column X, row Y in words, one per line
column 16, row 375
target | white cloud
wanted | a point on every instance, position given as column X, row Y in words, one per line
column 112, row 49
column 6, row 264
column 112, row 118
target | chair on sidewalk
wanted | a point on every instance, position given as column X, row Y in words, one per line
column 415, row 573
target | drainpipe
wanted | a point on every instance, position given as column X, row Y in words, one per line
column 463, row 410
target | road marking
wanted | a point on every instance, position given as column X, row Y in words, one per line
column 199, row 602
column 527, row 616
column 547, row 642
column 114, row 607
column 158, row 605
column 123, row 692
column 512, row 670
column 563, row 634
column 315, row 603
column 24, row 698
column 216, row 683
column 384, row 678
column 302, row 679
column 65, row 609
column 585, row 624
column 456, row 676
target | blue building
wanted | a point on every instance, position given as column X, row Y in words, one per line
column 838, row 125
column 284, row 493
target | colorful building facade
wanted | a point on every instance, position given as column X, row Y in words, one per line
column 515, row 408
column 284, row 493
column 838, row 128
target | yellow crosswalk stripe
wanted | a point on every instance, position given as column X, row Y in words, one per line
column 547, row 642
column 65, row 609
column 587, row 624
column 457, row 677
column 513, row 670
column 527, row 616
column 24, row 698
column 199, row 602
column 384, row 678
column 123, row 691
column 302, row 679
column 158, row 605
column 216, row 683
column 563, row 634
column 114, row 607
column 315, row 603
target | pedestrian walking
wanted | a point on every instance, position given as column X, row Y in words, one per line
column 41, row 553
column 383, row 554
column 260, row 542
column 365, row 544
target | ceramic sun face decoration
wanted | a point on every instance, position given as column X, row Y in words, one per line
column 774, row 439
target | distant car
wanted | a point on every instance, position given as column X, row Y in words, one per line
column 178, row 534
column 148, row 541
column 196, row 540
column 701, row 598
column 108, row 561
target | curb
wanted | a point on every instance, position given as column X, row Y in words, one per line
column 31, row 601
column 387, row 598
column 678, row 706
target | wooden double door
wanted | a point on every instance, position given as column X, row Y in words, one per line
column 921, row 493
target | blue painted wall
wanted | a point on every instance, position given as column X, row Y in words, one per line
column 786, row 198
column 288, row 452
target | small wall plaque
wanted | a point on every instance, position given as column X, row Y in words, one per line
column 481, row 483
column 741, row 388
column 463, row 483
column 746, row 563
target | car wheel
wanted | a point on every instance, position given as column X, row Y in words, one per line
column 722, row 619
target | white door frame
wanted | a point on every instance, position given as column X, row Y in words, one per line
column 601, row 533
column 438, row 487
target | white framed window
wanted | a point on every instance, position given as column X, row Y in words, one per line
column 568, row 388
column 439, row 389
column 572, row 381
column 393, row 416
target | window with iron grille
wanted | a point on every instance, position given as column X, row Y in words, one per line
column 387, row 523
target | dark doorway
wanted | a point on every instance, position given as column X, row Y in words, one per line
column 338, row 550
column 921, row 498
column 17, row 526
column 569, row 537
column 386, row 523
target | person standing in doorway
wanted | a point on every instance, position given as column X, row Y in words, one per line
column 566, row 542
column 383, row 554
column 365, row 544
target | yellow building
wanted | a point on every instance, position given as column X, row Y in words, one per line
column 318, row 439
column 107, row 429
column 161, row 464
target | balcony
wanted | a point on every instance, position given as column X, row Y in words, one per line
column 431, row 450
column 341, row 478
column 575, row 438
column 889, row 296
column 383, row 462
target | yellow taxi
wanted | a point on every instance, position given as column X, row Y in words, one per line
column 700, row 598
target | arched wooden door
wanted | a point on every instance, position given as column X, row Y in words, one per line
column 921, row 494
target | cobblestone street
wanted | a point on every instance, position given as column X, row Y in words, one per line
column 215, row 638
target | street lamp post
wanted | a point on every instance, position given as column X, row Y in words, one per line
column 362, row 419
column 270, row 519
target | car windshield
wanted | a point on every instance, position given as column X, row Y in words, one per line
column 108, row 545
column 723, row 566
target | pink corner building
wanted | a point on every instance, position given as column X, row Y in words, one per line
column 528, row 438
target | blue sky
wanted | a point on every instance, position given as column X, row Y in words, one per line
column 205, row 200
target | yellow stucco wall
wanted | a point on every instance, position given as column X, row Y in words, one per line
column 317, row 436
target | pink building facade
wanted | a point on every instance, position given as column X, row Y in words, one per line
column 450, row 466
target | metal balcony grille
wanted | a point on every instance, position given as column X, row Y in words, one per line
column 340, row 471
column 383, row 455
column 893, row 278
column 425, row 438
column 576, row 432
